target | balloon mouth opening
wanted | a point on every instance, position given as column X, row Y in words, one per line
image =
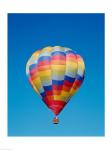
column 55, row 120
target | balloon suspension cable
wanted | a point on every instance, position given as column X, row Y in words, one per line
column 55, row 120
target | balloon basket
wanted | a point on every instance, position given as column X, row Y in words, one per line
column 55, row 120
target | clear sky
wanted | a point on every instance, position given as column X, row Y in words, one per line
column 84, row 114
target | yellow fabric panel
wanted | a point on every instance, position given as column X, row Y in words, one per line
column 64, row 98
column 58, row 67
column 57, row 97
column 45, row 73
column 37, row 83
column 64, row 95
column 45, row 78
column 71, row 64
column 61, row 97
column 58, row 72
column 72, row 68
column 80, row 62
column 81, row 65
column 72, row 91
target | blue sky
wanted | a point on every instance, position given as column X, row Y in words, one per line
column 84, row 114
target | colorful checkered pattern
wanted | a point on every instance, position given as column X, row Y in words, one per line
column 55, row 73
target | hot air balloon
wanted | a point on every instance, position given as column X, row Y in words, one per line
column 55, row 73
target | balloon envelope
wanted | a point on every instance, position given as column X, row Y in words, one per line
column 55, row 73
